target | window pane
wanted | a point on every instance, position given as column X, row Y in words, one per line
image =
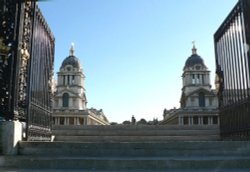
column 201, row 99
column 215, row 120
column 65, row 100
column 195, row 119
column 205, row 120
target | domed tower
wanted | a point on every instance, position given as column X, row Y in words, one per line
column 195, row 77
column 195, row 73
column 70, row 105
column 70, row 92
column 199, row 103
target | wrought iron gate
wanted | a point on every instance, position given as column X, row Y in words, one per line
column 232, row 50
column 26, row 67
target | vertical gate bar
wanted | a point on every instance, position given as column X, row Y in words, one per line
column 225, row 66
column 235, row 64
column 242, row 55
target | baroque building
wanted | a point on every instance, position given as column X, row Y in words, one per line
column 199, row 103
column 70, row 102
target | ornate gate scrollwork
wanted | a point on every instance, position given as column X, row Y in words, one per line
column 25, row 47
column 8, row 11
column 26, row 67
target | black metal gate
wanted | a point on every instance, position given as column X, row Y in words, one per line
column 26, row 67
column 232, row 45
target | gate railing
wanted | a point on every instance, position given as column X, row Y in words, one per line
column 232, row 41
column 41, row 72
column 26, row 67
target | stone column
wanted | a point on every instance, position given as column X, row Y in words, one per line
column 74, row 121
column 191, row 122
column 199, row 121
column 56, row 121
column 66, row 121
column 180, row 120
column 210, row 122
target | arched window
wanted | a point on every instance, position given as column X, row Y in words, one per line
column 201, row 99
column 65, row 100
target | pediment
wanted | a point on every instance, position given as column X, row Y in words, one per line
column 197, row 91
column 71, row 93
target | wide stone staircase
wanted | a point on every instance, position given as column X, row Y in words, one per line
column 131, row 148
column 135, row 133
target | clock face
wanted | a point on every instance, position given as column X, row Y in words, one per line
column 198, row 67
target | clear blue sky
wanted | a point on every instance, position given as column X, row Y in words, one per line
column 133, row 51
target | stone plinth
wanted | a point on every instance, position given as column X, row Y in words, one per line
column 11, row 133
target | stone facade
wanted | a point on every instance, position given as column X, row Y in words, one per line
column 70, row 102
column 199, row 103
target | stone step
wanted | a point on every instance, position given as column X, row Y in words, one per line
column 135, row 133
column 140, row 149
column 135, row 127
column 121, row 132
column 171, row 155
column 136, row 138
column 125, row 163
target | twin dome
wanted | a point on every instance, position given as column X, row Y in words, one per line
column 194, row 59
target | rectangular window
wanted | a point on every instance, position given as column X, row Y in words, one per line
column 193, row 79
column 202, row 100
column 61, row 121
column 196, row 120
column 198, row 79
column 73, row 79
column 210, row 101
column 71, row 121
column 185, row 120
column 68, row 80
column 202, row 79
column 215, row 120
column 64, row 82
column 81, row 121
column 205, row 120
